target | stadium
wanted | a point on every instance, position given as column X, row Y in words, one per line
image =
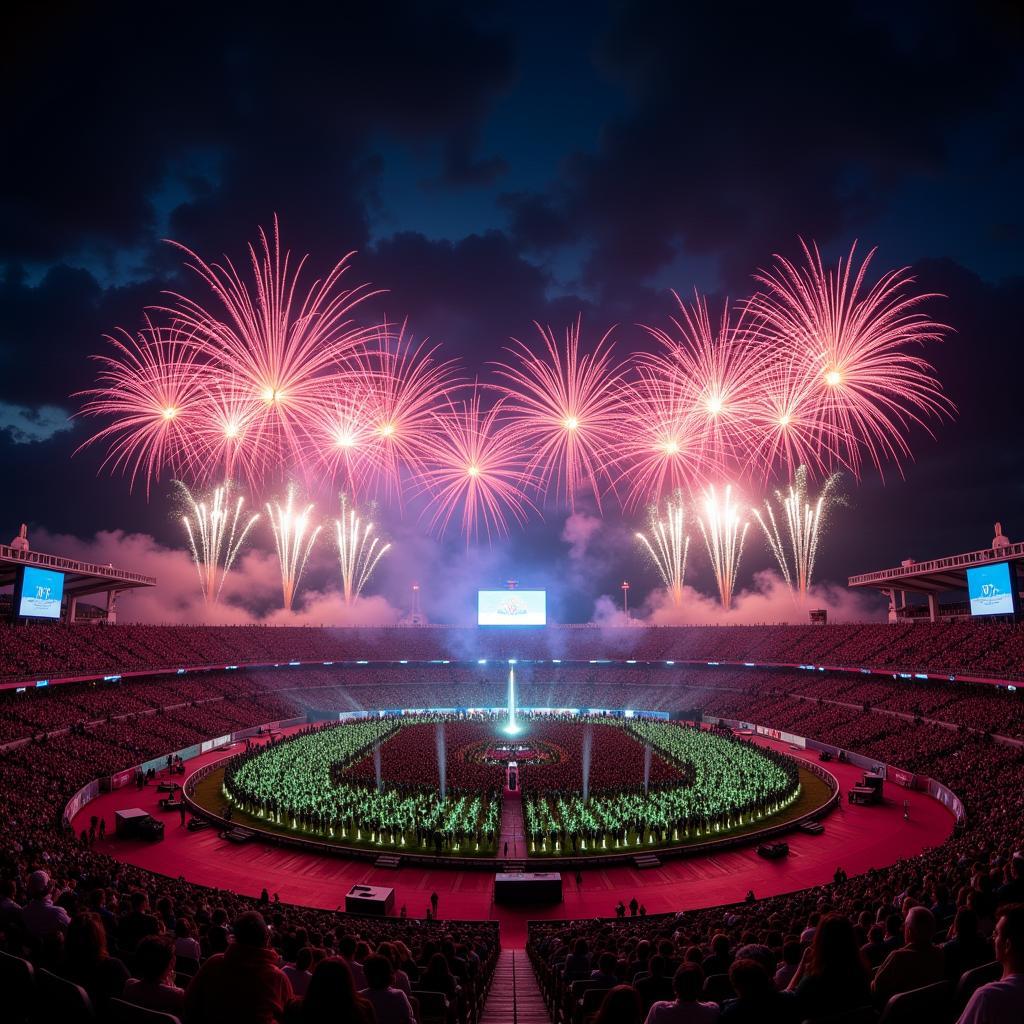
column 506, row 515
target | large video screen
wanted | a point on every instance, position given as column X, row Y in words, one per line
column 512, row 608
column 41, row 593
column 991, row 589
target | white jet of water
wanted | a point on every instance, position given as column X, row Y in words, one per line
column 512, row 726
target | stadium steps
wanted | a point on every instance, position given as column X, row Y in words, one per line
column 646, row 860
column 387, row 860
column 515, row 996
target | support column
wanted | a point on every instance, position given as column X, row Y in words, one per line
column 72, row 607
column 111, row 607
column 892, row 605
column 933, row 607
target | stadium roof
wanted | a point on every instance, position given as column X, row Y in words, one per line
column 80, row 578
column 939, row 575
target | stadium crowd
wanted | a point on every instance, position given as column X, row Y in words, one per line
column 56, row 650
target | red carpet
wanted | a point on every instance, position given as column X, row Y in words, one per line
column 856, row 838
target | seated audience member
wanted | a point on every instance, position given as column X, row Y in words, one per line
column 791, row 954
column 86, row 960
column 919, row 962
column 40, row 917
column 10, row 909
column 153, row 985
column 875, row 949
column 243, row 983
column 347, row 948
column 686, row 1007
column 757, row 1000
column 399, row 978
column 1002, row 1000
column 438, row 978
column 390, row 1005
column 604, row 976
column 621, row 1005
column 967, row 947
column 577, row 963
column 656, row 985
column 299, row 972
column 137, row 923
column 834, row 974
column 185, row 942
column 331, row 998
column 720, row 959
column 1013, row 890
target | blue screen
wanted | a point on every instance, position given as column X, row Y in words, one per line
column 990, row 588
column 41, row 593
column 511, row 608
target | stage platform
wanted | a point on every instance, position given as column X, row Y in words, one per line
column 856, row 839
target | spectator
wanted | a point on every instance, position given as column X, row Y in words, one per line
column 1002, row 1000
column 390, row 1005
column 577, row 963
column 347, row 949
column 438, row 977
column 686, row 1007
column 720, row 959
column 834, row 974
column 604, row 976
column 39, row 915
column 791, row 953
column 153, row 985
column 657, row 985
column 299, row 973
column 1013, row 890
column 918, row 963
column 875, row 949
column 244, row 983
column 137, row 923
column 757, row 1000
column 86, row 960
column 621, row 1005
column 331, row 998
column 967, row 948
column 185, row 942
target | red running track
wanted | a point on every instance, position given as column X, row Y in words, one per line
column 856, row 838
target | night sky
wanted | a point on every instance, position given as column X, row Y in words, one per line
column 497, row 164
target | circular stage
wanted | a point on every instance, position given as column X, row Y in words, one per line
column 856, row 838
column 571, row 791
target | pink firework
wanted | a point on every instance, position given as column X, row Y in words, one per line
column 565, row 408
column 476, row 469
column 405, row 383
column 717, row 378
column 659, row 452
column 862, row 389
column 154, row 388
column 272, row 344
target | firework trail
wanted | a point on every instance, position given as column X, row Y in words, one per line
column 804, row 519
column 294, row 541
column 724, row 536
column 216, row 532
column 864, row 390
column 477, row 470
column 270, row 343
column 153, row 386
column 358, row 551
column 566, row 410
column 668, row 545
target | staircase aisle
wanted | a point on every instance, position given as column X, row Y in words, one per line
column 515, row 995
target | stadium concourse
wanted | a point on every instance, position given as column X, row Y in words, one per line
column 895, row 694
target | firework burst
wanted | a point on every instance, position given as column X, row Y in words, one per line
column 476, row 469
column 294, row 537
column 271, row 344
column 668, row 545
column 358, row 551
column 863, row 390
column 216, row 531
column 804, row 518
column 565, row 408
column 154, row 388
column 716, row 378
column 724, row 534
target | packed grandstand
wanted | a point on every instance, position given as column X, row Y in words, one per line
column 73, row 910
